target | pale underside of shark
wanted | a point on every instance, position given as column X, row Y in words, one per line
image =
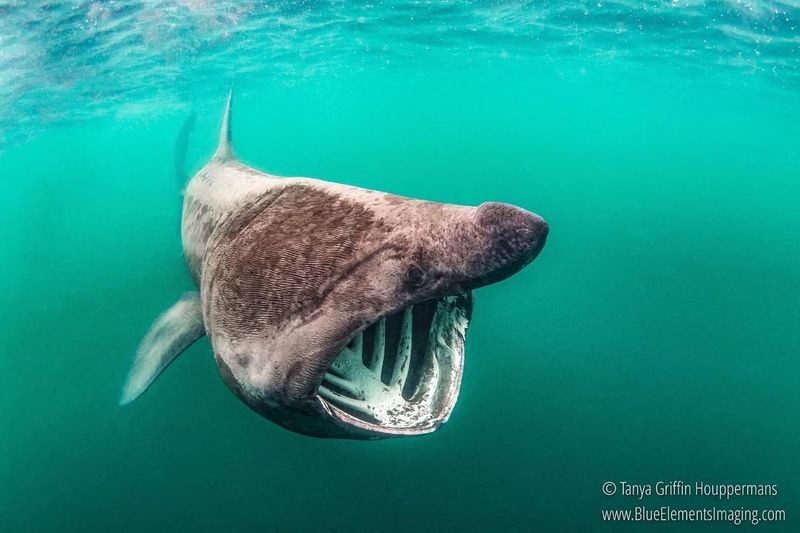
column 332, row 310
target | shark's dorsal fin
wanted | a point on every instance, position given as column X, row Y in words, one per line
column 225, row 147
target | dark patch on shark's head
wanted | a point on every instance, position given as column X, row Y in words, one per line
column 341, row 312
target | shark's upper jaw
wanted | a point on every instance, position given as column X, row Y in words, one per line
column 401, row 375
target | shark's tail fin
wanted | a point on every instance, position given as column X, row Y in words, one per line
column 181, row 144
column 225, row 147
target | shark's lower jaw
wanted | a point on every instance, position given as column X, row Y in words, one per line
column 401, row 375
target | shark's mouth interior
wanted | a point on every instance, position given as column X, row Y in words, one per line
column 401, row 374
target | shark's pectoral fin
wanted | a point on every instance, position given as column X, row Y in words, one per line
column 174, row 331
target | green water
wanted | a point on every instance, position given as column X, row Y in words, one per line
column 656, row 337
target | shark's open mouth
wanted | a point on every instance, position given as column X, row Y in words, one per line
column 401, row 374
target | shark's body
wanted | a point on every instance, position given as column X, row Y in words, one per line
column 332, row 310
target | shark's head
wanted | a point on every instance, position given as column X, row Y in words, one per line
column 341, row 312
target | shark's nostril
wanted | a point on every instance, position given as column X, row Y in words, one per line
column 525, row 235
column 506, row 248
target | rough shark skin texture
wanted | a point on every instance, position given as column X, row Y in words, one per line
column 291, row 270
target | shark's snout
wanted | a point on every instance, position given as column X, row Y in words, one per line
column 512, row 238
column 515, row 233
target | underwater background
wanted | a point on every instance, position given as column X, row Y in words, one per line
column 656, row 337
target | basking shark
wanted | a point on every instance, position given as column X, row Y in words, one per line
column 332, row 310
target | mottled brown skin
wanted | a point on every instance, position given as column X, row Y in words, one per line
column 291, row 278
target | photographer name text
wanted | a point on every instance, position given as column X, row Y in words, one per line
column 722, row 491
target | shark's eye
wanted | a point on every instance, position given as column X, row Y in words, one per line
column 415, row 276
